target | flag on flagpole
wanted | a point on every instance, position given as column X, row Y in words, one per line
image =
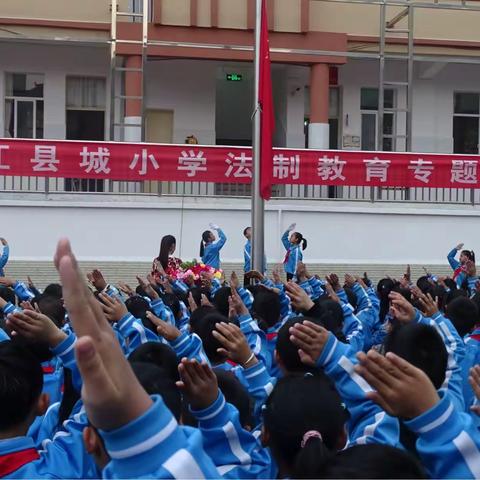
column 266, row 105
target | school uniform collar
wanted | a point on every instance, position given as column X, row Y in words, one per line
column 15, row 453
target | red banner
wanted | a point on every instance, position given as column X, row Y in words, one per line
column 193, row 163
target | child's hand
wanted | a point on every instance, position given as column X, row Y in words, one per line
column 205, row 302
column 214, row 227
column 236, row 303
column 147, row 288
column 235, row 345
column 277, row 279
column 198, row 384
column 299, row 298
column 401, row 309
column 7, row 282
column 35, row 326
column 234, row 281
column 310, row 339
column 126, row 289
column 331, row 293
column 401, row 389
column 292, row 227
column 4, row 242
column 26, row 305
column 98, row 281
column 349, row 280
column 474, row 380
column 111, row 393
column 191, row 303
column 334, row 281
column 301, row 272
column 164, row 329
column 459, row 246
column 255, row 275
column 113, row 308
column 428, row 304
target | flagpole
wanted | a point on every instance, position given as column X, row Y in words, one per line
column 257, row 200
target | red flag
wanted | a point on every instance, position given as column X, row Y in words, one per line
column 266, row 105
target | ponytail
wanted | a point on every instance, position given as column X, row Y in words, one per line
column 304, row 243
column 301, row 240
column 205, row 238
column 312, row 456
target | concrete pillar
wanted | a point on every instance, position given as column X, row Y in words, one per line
column 318, row 133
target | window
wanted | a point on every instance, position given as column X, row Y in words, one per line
column 23, row 105
column 86, row 99
column 466, row 114
column 369, row 112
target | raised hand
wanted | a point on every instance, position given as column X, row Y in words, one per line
column 98, row 281
column 292, row 227
column 111, row 393
column 35, row 326
column 331, row 293
column 234, row 280
column 334, row 281
column 429, row 306
column 401, row 389
column 126, row 289
column 459, row 246
column 234, row 343
column 198, row 383
column 301, row 302
column 147, row 288
column 236, row 303
column 7, row 281
column 401, row 309
column 310, row 339
column 349, row 280
column 113, row 308
column 164, row 329
column 4, row 242
column 191, row 303
column 255, row 275
column 213, row 226
column 277, row 279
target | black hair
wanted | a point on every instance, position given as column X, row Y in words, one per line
column 197, row 293
column 453, row 294
column 54, row 290
column 245, row 231
column 157, row 382
column 220, row 300
column 138, row 307
column 463, row 313
column 164, row 253
column 439, row 293
column 352, row 298
column 330, row 315
column 8, row 295
column 53, row 308
column 368, row 461
column 69, row 398
column 172, row 302
column 236, row 394
column 422, row 346
column 287, row 351
column 301, row 240
column 384, row 288
column 157, row 354
column 451, row 284
column 204, row 328
column 21, row 383
column 199, row 314
column 266, row 307
column 299, row 404
column 470, row 254
column 476, row 300
column 205, row 239
column 424, row 284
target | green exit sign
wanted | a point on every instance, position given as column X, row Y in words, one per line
column 234, row 77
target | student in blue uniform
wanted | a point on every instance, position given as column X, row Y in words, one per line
column 247, row 256
column 4, row 257
column 294, row 244
column 210, row 247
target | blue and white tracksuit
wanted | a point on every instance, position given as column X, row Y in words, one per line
column 211, row 254
column 294, row 254
column 4, row 259
column 247, row 256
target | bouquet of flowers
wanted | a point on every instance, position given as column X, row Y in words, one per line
column 193, row 272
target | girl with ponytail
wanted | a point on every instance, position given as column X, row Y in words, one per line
column 294, row 244
column 210, row 247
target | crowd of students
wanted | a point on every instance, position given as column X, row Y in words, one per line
column 304, row 378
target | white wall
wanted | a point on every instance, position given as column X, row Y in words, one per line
column 433, row 89
column 56, row 63
column 188, row 88
column 337, row 233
